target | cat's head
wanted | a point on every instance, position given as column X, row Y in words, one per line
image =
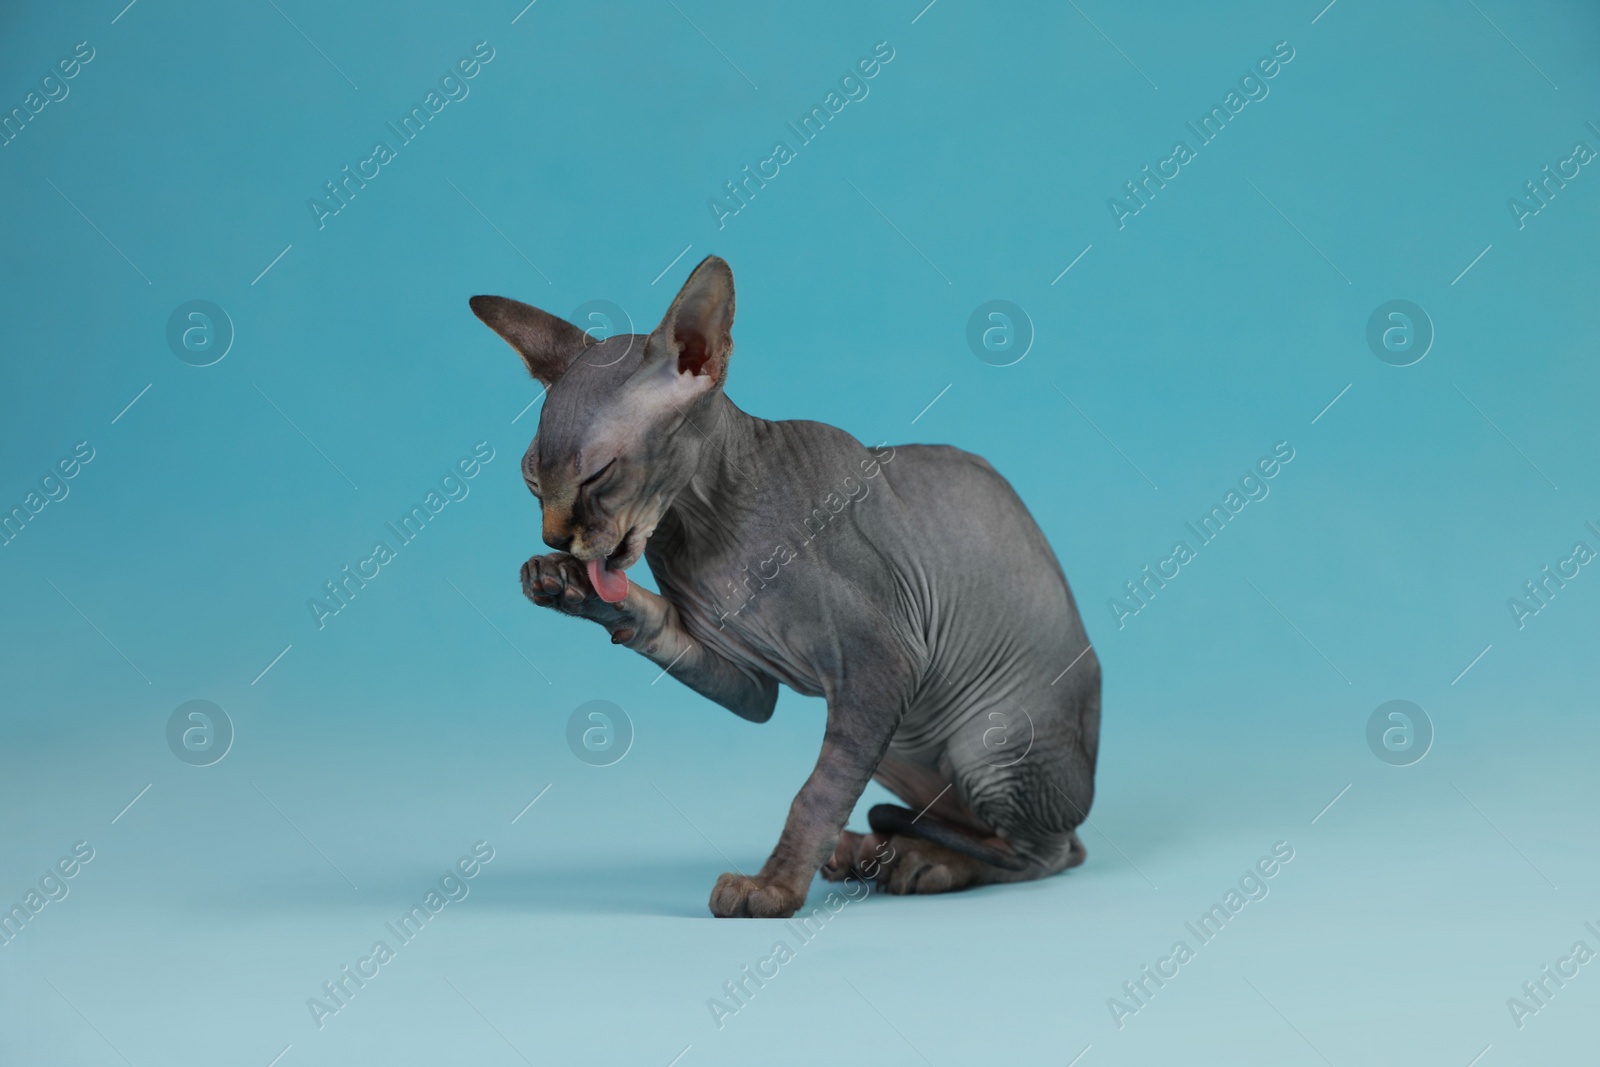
column 616, row 443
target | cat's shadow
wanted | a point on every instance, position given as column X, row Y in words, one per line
column 664, row 887
column 668, row 888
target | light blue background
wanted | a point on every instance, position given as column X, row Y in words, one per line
column 428, row 713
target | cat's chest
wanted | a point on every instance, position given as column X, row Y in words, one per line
column 744, row 605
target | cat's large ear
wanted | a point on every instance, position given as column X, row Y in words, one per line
column 548, row 345
column 695, row 338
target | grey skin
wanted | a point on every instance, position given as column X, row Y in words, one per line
column 908, row 586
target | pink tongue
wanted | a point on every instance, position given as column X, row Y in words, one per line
column 611, row 585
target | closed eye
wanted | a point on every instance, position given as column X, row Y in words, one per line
column 596, row 476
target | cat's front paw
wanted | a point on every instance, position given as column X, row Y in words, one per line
column 560, row 580
column 738, row 897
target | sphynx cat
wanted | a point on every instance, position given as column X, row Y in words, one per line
column 908, row 586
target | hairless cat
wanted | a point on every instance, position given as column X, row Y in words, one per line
column 908, row 586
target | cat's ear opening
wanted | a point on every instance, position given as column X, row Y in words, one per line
column 695, row 337
column 547, row 345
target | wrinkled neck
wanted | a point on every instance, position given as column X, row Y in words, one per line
column 708, row 508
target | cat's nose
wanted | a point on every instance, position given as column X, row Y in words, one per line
column 556, row 520
column 560, row 540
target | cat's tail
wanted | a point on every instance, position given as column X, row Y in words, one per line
column 889, row 819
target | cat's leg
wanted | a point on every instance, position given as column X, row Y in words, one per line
column 861, row 720
column 990, row 812
column 936, row 844
column 909, row 864
column 649, row 625
column 928, row 792
column 1020, row 803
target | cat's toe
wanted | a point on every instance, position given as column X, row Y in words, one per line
column 738, row 897
column 556, row 580
column 843, row 860
column 923, row 867
column 533, row 582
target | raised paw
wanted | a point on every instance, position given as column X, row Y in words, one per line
column 738, row 897
column 560, row 581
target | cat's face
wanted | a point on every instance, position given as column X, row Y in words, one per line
column 611, row 453
column 615, row 443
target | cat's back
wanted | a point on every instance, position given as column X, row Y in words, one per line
column 961, row 487
column 940, row 502
column 968, row 527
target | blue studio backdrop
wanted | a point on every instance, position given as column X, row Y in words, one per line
column 1280, row 317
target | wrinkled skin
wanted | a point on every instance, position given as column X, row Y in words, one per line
column 908, row 586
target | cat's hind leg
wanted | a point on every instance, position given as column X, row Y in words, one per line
column 992, row 813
